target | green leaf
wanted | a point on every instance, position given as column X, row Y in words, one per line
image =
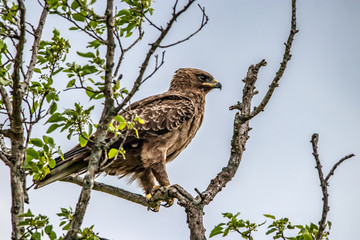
column 71, row 83
column 53, row 108
column 36, row 141
column 227, row 215
column 112, row 153
column 82, row 140
column 139, row 120
column 86, row 55
column 269, row 216
column 73, row 28
column 52, row 235
column 119, row 118
column 48, row 229
column 78, row 17
column 33, row 153
column 74, row 5
column 36, row 236
column 226, row 232
column 27, row 214
column 56, row 117
column 217, row 230
column 53, row 127
column 270, row 231
column 94, row 44
column 37, row 70
column 307, row 236
column 52, row 163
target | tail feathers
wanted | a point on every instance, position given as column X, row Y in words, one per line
column 61, row 172
column 74, row 161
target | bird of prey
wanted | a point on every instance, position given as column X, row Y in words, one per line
column 171, row 120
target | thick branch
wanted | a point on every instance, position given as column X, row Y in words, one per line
column 101, row 132
column 101, row 187
column 18, row 191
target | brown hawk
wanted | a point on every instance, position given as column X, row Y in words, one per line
column 171, row 122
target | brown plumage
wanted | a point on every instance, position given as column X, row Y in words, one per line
column 171, row 121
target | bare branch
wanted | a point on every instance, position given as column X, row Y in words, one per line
column 336, row 165
column 91, row 33
column 287, row 56
column 324, row 183
column 5, row 153
column 101, row 187
column 151, row 51
column 157, row 66
column 241, row 121
column 6, row 100
column 35, row 48
column 204, row 21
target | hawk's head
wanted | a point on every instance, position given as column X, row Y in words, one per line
column 193, row 79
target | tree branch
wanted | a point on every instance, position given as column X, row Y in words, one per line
column 241, row 121
column 336, row 165
column 101, row 132
column 287, row 56
column 101, row 187
column 6, row 100
column 204, row 21
column 35, row 48
column 151, row 51
column 324, row 183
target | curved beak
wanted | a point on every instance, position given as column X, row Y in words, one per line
column 213, row 84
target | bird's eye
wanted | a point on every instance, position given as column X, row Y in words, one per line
column 202, row 77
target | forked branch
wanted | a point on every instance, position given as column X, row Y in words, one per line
column 324, row 182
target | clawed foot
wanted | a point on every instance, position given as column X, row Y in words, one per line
column 155, row 205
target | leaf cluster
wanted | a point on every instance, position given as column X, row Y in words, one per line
column 116, row 126
column 277, row 228
column 128, row 20
column 243, row 227
column 39, row 157
column 74, row 120
column 38, row 226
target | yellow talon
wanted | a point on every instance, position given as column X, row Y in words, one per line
column 148, row 196
column 155, row 188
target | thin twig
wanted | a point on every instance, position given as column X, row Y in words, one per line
column 151, row 51
column 204, row 21
column 336, row 165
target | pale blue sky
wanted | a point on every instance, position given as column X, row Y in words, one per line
column 319, row 92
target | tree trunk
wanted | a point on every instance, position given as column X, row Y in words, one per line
column 18, row 189
column 195, row 216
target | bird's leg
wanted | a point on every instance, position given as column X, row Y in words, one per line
column 161, row 176
column 147, row 182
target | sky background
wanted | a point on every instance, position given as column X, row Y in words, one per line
column 319, row 92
